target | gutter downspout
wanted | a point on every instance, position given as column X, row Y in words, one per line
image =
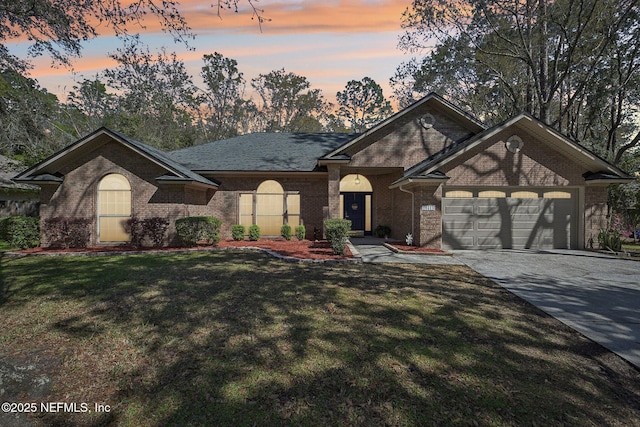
column 413, row 207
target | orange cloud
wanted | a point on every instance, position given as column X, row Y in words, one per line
column 306, row 17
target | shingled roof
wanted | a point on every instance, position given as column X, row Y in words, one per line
column 295, row 152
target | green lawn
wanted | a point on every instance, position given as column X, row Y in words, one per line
column 231, row 339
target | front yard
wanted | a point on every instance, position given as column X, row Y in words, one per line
column 241, row 339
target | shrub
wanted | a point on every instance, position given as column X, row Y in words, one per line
column 285, row 231
column 382, row 231
column 301, row 232
column 136, row 231
column 254, row 232
column 337, row 231
column 3, row 227
column 67, row 233
column 154, row 228
column 608, row 239
column 194, row 229
column 237, row 232
column 21, row 231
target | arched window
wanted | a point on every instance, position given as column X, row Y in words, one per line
column 271, row 206
column 114, row 208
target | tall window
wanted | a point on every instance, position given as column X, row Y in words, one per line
column 270, row 207
column 114, row 208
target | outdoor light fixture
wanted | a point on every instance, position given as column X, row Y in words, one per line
column 514, row 144
column 357, row 180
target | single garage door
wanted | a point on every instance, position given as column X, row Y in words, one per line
column 523, row 220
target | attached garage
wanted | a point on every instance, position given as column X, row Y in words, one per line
column 518, row 219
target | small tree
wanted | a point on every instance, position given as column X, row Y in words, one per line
column 337, row 231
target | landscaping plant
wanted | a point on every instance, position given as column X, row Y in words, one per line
column 194, row 229
column 61, row 232
column 285, row 231
column 238, row 231
column 337, row 232
column 21, row 231
column 254, row 232
column 301, row 232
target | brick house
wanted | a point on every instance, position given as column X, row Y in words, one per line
column 431, row 170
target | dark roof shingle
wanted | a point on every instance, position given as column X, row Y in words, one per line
column 297, row 152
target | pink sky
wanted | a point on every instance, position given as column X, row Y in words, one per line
column 329, row 42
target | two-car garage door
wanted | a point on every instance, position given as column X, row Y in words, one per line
column 521, row 219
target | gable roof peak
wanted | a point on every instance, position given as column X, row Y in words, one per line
column 465, row 119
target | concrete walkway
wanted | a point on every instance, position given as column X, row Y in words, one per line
column 372, row 251
column 596, row 294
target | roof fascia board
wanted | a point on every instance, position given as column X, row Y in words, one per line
column 240, row 174
column 324, row 162
column 60, row 154
column 599, row 182
column 88, row 138
column 417, row 180
column 431, row 96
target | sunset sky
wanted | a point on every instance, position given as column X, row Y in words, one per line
column 328, row 41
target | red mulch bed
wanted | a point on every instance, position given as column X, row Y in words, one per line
column 401, row 246
column 304, row 249
column 294, row 248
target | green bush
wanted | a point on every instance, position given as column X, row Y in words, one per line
column 4, row 222
column 61, row 232
column 237, row 232
column 382, row 231
column 337, row 231
column 285, row 231
column 610, row 240
column 301, row 232
column 21, row 231
column 194, row 229
column 254, row 232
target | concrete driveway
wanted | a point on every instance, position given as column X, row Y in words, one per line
column 596, row 294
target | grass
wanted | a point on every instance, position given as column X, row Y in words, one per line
column 4, row 246
column 242, row 339
column 631, row 246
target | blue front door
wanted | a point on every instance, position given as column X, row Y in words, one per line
column 354, row 210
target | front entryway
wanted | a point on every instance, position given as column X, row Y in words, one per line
column 354, row 210
column 355, row 203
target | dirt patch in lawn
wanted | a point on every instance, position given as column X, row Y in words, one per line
column 303, row 249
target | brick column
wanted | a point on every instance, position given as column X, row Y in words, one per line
column 334, row 190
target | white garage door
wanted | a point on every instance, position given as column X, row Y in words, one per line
column 524, row 220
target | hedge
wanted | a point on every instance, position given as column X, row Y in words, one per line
column 194, row 229
column 154, row 229
column 337, row 232
column 21, row 232
column 61, row 232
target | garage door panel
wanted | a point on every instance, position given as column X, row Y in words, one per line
column 488, row 225
column 508, row 223
column 461, row 224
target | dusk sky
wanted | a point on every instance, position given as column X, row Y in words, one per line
column 328, row 41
